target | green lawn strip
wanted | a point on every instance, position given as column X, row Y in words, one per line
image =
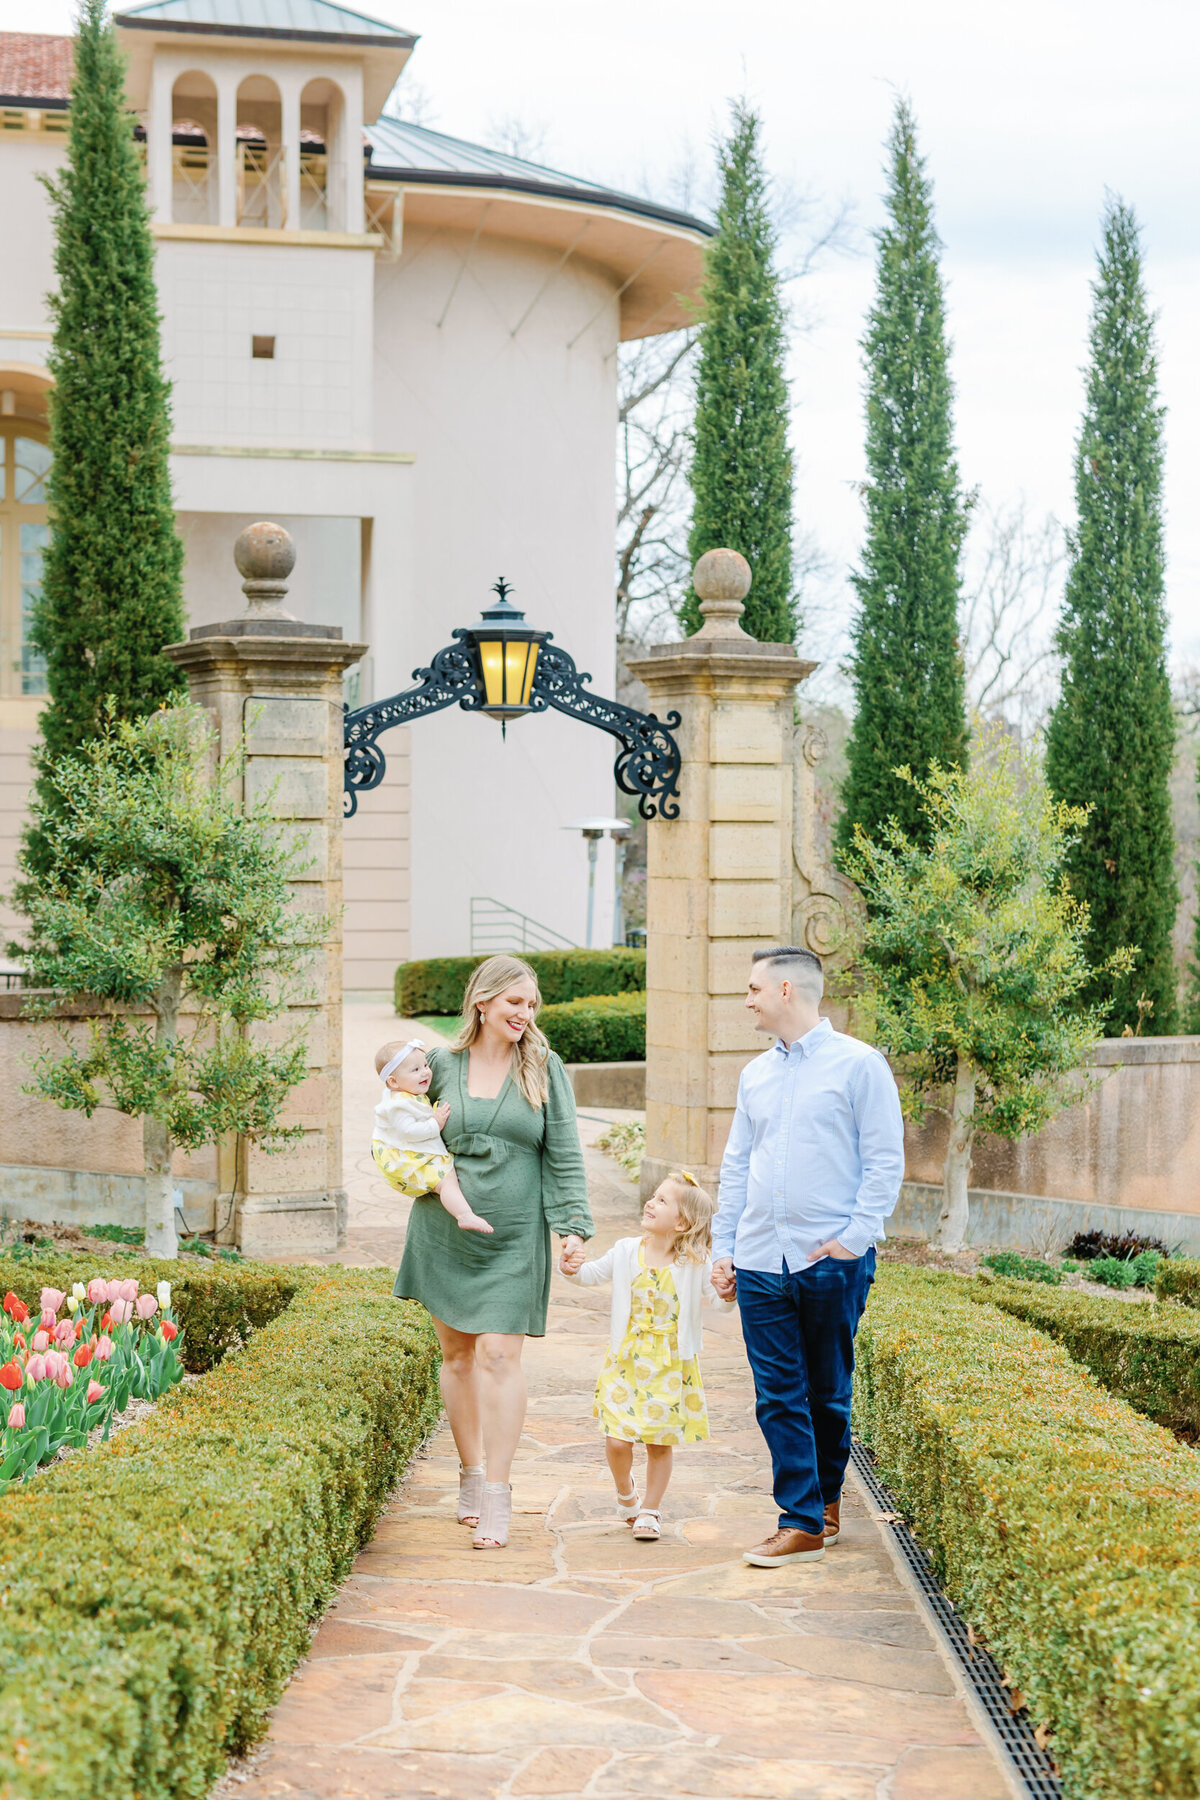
column 1064, row 1526
column 443, row 1025
column 159, row 1590
column 1147, row 1355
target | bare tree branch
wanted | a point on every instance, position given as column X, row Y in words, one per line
column 1010, row 607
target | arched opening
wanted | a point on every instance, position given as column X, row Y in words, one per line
column 322, row 157
column 193, row 150
column 24, row 528
column 261, row 186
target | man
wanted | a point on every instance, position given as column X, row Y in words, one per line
column 812, row 1169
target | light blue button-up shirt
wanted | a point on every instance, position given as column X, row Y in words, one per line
column 816, row 1151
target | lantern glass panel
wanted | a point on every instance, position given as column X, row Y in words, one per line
column 491, row 658
column 520, row 661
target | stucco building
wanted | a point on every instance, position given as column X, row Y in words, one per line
column 403, row 347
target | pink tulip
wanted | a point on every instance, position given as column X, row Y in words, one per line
column 104, row 1349
column 97, row 1290
column 112, row 1291
column 127, row 1290
column 147, row 1306
column 64, row 1333
column 122, row 1311
column 40, row 1340
column 65, row 1376
column 16, row 1417
column 35, row 1368
column 48, row 1320
column 52, row 1299
column 94, row 1392
column 58, row 1368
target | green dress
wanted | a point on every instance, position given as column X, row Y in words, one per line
column 523, row 1172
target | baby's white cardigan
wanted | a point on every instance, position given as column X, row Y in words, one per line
column 407, row 1122
column 693, row 1284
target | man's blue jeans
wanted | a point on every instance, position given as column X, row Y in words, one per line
column 799, row 1331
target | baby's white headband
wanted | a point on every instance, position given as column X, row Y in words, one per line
column 390, row 1068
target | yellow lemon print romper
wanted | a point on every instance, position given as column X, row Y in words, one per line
column 646, row 1394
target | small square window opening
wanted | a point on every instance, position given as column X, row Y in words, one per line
column 264, row 347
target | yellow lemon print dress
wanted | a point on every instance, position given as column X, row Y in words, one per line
column 646, row 1394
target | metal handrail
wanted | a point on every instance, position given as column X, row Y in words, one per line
column 496, row 927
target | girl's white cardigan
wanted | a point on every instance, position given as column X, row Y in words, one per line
column 693, row 1284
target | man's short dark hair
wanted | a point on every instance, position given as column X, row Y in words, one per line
column 793, row 963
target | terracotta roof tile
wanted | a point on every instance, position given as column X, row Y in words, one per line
column 34, row 67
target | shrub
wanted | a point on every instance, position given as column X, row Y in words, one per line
column 1065, row 1527
column 1086, row 1246
column 1178, row 1279
column 602, row 1028
column 625, row 1142
column 1022, row 1268
column 161, row 1588
column 1147, row 1355
column 437, row 985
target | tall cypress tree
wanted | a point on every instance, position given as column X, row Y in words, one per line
column 111, row 583
column 907, row 663
column 1111, row 738
column 741, row 471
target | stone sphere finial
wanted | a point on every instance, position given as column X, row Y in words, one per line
column 265, row 555
column 722, row 580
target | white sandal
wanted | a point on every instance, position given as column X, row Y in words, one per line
column 629, row 1505
column 646, row 1525
column 494, row 1517
column 470, row 1492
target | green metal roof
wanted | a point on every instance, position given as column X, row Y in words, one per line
column 309, row 19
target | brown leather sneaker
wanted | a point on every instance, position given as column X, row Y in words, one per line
column 786, row 1545
column 833, row 1521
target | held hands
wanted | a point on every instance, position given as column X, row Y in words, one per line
column 441, row 1113
column 724, row 1279
column 573, row 1255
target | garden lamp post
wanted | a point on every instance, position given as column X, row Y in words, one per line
column 593, row 830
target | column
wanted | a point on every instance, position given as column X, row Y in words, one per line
column 289, row 129
column 226, row 149
column 160, row 163
column 719, row 876
column 279, row 682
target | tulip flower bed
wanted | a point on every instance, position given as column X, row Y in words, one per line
column 53, row 1369
column 159, row 1591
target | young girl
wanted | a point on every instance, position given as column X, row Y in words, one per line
column 649, row 1391
column 407, row 1145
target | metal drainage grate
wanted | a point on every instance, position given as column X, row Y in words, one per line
column 1032, row 1763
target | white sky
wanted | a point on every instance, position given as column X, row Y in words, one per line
column 1027, row 110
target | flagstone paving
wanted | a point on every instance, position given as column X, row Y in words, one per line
column 579, row 1662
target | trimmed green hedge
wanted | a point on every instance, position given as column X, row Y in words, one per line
column 159, row 1590
column 1178, row 1278
column 602, row 1028
column 218, row 1305
column 437, row 985
column 1148, row 1355
column 1063, row 1525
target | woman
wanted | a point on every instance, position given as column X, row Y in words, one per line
column 515, row 1144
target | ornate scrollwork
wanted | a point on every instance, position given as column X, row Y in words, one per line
column 647, row 765
column 451, row 679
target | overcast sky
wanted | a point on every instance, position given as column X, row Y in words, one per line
column 1027, row 111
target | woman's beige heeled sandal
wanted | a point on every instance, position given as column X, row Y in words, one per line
column 495, row 1516
column 629, row 1506
column 470, row 1492
column 646, row 1526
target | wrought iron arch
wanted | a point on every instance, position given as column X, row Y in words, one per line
column 647, row 764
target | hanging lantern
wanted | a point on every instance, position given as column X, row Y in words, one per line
column 507, row 649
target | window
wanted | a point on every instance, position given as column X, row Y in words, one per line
column 24, row 534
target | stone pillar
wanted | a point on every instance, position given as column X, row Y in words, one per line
column 719, row 876
column 278, row 683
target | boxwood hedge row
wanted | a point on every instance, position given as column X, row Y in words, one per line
column 600, row 1028
column 1062, row 1524
column 1148, row 1355
column 159, row 1590
column 1178, row 1278
column 437, row 984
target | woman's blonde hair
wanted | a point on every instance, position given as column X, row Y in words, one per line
column 493, row 977
column 696, row 1208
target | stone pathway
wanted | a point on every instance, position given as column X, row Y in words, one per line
column 579, row 1662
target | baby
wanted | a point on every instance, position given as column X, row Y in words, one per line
column 407, row 1145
